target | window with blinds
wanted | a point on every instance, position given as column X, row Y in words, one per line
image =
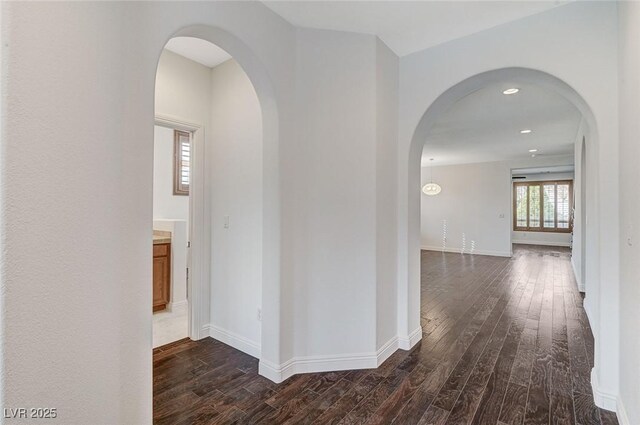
column 181, row 162
column 542, row 206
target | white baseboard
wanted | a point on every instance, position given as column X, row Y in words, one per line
column 407, row 342
column 621, row 412
column 543, row 243
column 577, row 276
column 178, row 307
column 332, row 363
column 236, row 341
column 475, row 252
column 279, row 373
column 602, row 399
column 586, row 304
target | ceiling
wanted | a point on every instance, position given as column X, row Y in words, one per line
column 485, row 126
column 198, row 50
column 407, row 26
column 404, row 26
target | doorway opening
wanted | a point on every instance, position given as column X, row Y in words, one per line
column 171, row 218
column 498, row 184
column 208, row 198
column 503, row 157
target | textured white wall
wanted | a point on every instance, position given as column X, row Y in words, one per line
column 166, row 205
column 629, row 38
column 588, row 28
column 475, row 203
column 234, row 164
column 183, row 89
column 75, row 293
column 80, row 81
column 334, row 247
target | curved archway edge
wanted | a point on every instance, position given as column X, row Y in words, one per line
column 409, row 289
column 201, row 241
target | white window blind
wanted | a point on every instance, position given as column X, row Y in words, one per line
column 542, row 206
column 182, row 162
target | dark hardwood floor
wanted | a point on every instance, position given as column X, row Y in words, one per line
column 506, row 342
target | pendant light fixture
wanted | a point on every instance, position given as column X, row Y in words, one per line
column 431, row 188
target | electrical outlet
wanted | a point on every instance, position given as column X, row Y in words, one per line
column 501, row 215
column 259, row 314
column 226, row 221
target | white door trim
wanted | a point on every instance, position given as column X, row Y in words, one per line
column 199, row 235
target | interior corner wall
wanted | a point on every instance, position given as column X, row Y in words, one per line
column 473, row 211
column 333, row 244
column 578, row 247
column 183, row 90
column 386, row 211
column 234, row 172
column 629, row 69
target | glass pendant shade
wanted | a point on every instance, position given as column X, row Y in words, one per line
column 431, row 189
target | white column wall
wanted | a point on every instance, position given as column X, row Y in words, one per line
column 628, row 405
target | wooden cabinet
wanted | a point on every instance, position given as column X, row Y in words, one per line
column 161, row 276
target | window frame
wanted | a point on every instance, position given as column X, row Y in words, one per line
column 179, row 188
column 541, row 184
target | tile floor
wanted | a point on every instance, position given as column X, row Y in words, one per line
column 169, row 326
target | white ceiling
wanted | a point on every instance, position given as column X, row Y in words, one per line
column 485, row 126
column 198, row 50
column 407, row 26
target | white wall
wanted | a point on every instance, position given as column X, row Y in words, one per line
column 318, row 96
column 166, row 205
column 542, row 238
column 587, row 34
column 475, row 202
column 234, row 164
column 334, row 242
column 76, row 293
column 183, row 89
column 629, row 39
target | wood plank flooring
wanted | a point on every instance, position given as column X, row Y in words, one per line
column 505, row 342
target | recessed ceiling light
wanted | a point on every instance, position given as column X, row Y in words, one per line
column 533, row 150
column 511, row 91
column 526, row 131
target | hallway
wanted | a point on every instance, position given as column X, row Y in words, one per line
column 506, row 341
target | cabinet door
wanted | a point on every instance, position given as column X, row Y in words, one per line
column 161, row 282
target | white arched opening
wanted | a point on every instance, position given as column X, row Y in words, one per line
column 200, row 279
column 409, row 291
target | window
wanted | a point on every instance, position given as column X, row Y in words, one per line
column 542, row 206
column 181, row 162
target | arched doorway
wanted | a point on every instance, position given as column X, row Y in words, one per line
column 199, row 288
column 409, row 291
